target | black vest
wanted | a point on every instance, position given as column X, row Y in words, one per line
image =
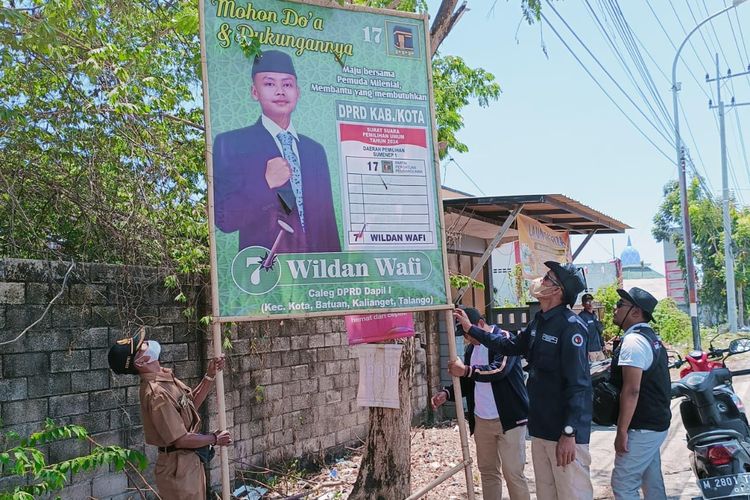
column 652, row 411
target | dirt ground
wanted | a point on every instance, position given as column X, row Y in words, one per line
column 433, row 451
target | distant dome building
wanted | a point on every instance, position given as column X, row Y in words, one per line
column 630, row 256
column 637, row 273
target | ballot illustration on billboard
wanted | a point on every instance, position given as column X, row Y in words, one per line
column 323, row 193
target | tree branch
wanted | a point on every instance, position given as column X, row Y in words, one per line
column 62, row 289
column 447, row 16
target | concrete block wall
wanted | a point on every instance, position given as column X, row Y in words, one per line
column 58, row 369
column 291, row 391
column 290, row 385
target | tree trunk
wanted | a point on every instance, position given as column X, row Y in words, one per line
column 385, row 472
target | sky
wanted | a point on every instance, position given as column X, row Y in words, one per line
column 553, row 130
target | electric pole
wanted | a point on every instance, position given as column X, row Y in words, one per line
column 728, row 252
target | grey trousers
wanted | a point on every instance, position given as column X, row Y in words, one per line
column 640, row 467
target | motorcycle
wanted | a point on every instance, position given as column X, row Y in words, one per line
column 718, row 435
column 702, row 361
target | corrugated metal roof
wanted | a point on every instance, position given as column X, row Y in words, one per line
column 480, row 216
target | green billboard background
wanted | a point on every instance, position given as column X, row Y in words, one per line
column 358, row 39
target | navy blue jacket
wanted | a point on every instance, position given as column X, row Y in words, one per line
column 243, row 201
column 595, row 328
column 505, row 375
column 559, row 385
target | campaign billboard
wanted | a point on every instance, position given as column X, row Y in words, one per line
column 323, row 193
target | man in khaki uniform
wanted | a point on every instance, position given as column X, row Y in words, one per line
column 170, row 417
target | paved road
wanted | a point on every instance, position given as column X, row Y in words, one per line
column 678, row 476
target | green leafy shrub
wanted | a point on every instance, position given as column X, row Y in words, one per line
column 607, row 297
column 672, row 325
column 25, row 460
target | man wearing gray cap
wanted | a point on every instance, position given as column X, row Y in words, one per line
column 270, row 181
column 640, row 370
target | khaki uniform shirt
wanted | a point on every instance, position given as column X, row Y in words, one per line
column 168, row 413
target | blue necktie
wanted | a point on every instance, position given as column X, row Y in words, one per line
column 286, row 139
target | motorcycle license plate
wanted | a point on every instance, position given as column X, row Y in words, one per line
column 725, row 486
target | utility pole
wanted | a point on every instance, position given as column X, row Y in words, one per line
column 728, row 251
column 680, row 152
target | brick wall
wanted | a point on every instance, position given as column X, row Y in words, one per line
column 290, row 385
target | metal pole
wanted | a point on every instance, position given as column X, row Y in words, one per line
column 488, row 252
column 686, row 229
column 728, row 257
column 459, row 400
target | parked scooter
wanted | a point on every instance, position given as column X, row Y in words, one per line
column 702, row 361
column 718, row 435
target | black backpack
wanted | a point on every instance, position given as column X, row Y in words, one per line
column 606, row 406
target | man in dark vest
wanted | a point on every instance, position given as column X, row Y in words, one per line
column 639, row 369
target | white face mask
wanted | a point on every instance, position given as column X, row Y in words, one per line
column 539, row 291
column 153, row 350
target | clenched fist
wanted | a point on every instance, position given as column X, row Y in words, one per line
column 278, row 172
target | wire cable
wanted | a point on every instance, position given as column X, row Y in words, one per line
column 627, row 96
column 621, row 59
column 690, row 72
column 627, row 117
column 466, row 175
column 742, row 143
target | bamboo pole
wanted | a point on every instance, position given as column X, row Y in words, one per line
column 215, row 325
column 437, row 481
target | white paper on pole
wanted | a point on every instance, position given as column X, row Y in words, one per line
column 378, row 375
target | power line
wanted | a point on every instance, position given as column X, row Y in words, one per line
column 629, row 39
column 700, row 32
column 627, row 96
column 690, row 72
column 742, row 36
column 466, row 175
column 626, row 34
column 627, row 117
column 713, row 30
column 742, row 143
column 620, row 59
column 690, row 42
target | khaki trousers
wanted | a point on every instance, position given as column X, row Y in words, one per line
column 498, row 451
column 561, row 483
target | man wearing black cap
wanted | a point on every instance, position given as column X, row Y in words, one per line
column 595, row 342
column 559, row 384
column 169, row 413
column 498, row 406
column 640, row 370
column 270, row 179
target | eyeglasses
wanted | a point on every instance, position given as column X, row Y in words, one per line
column 621, row 303
column 548, row 277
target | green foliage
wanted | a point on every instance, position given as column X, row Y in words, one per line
column 455, row 83
column 708, row 242
column 607, row 297
column 672, row 325
column 26, row 461
column 101, row 141
column 459, row 281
